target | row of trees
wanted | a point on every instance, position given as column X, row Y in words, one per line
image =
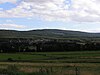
column 45, row 45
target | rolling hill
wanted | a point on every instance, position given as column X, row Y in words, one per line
column 47, row 33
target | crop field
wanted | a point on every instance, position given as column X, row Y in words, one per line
column 50, row 63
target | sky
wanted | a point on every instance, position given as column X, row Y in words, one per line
column 77, row 15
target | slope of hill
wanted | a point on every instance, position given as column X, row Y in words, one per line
column 47, row 33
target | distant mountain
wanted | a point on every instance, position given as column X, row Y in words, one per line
column 47, row 33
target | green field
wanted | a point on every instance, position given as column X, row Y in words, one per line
column 52, row 57
column 50, row 63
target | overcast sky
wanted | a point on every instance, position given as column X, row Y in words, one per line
column 79, row 15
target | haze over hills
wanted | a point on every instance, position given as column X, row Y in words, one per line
column 47, row 33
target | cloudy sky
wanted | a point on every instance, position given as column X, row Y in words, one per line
column 78, row 15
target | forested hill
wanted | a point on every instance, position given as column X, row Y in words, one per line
column 47, row 33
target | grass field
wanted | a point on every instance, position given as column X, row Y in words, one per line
column 52, row 57
column 15, row 68
column 50, row 63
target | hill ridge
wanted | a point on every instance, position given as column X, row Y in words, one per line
column 55, row 33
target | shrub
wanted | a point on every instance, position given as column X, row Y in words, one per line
column 10, row 59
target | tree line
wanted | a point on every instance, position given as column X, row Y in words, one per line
column 46, row 45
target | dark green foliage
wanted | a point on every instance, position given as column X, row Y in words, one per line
column 10, row 59
column 45, row 45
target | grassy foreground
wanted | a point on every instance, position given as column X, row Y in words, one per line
column 50, row 63
column 16, row 68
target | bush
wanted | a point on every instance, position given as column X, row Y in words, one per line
column 10, row 59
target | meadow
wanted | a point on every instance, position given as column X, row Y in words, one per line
column 50, row 63
column 53, row 57
column 49, row 68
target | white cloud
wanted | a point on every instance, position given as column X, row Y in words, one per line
column 85, row 10
column 77, row 10
column 11, row 1
column 9, row 21
column 49, row 10
column 15, row 26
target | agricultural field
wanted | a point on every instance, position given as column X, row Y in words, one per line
column 50, row 63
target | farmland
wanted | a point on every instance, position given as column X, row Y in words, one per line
column 50, row 63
